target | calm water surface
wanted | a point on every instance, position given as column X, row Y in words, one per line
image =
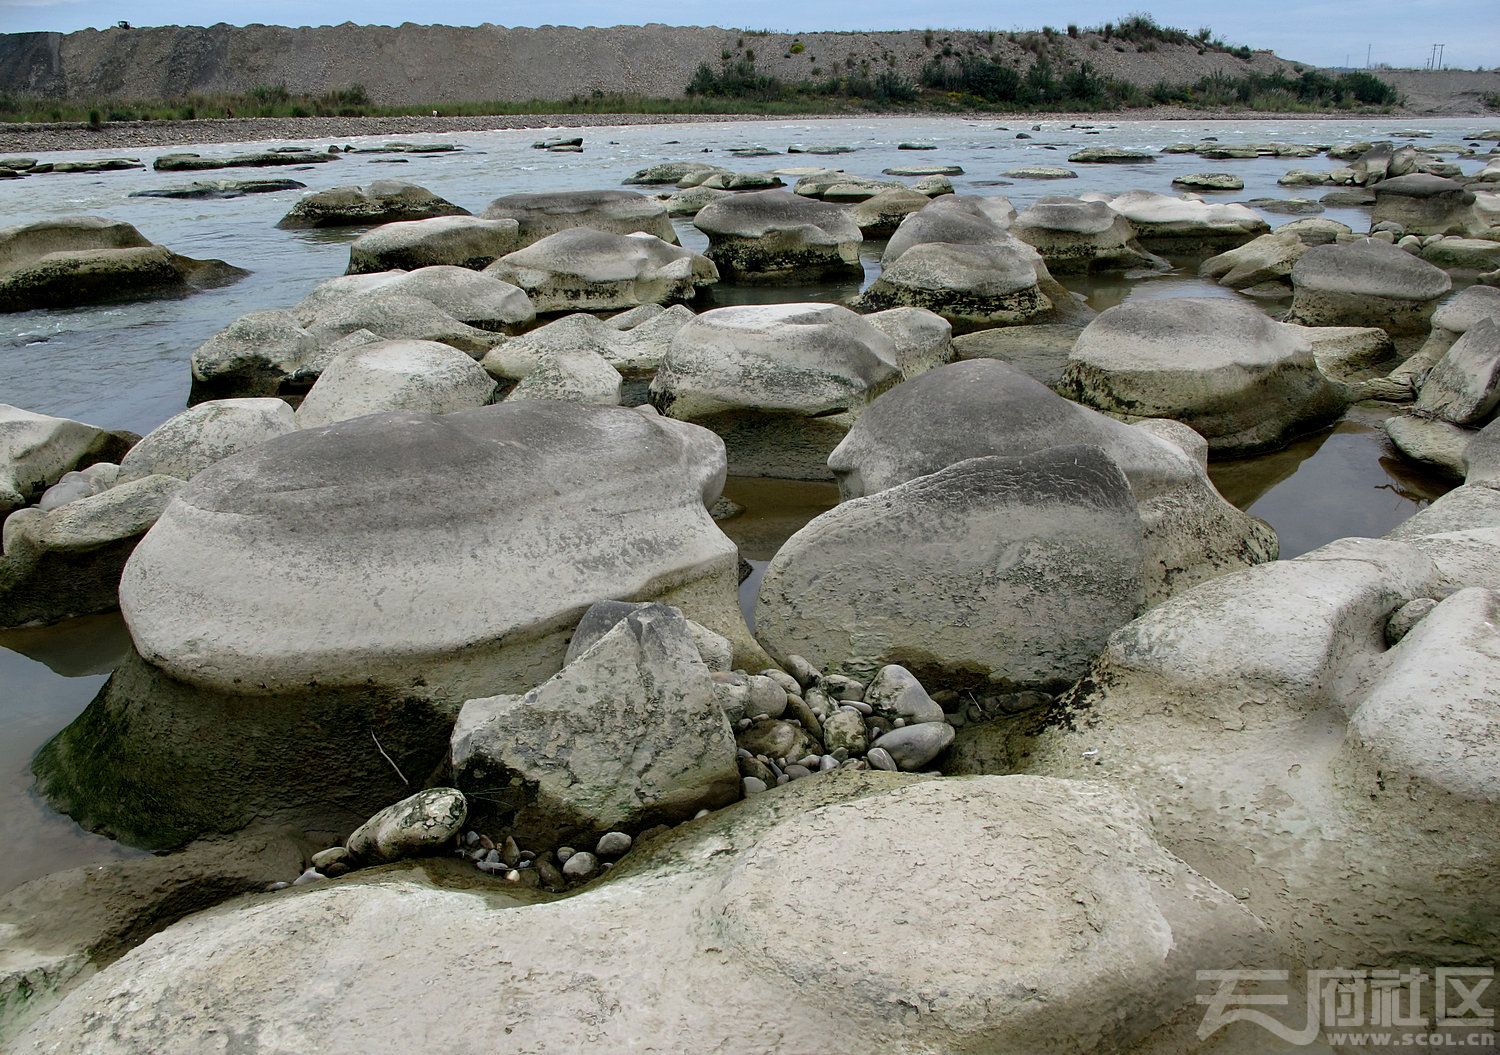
column 127, row 366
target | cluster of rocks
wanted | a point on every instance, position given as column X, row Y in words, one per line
column 17, row 167
column 274, row 157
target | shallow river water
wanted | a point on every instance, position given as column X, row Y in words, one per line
column 127, row 366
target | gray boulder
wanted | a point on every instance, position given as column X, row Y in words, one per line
column 384, row 201
column 1242, row 381
column 582, row 269
column 461, row 241
column 1165, row 223
column 1437, row 444
column 67, row 561
column 627, row 735
column 1464, row 387
column 1423, row 204
column 984, row 408
column 956, row 220
column 1269, row 258
column 351, row 585
column 1365, row 283
column 200, row 436
column 690, row 202
column 780, row 383
column 1076, row 235
column 562, row 360
column 668, row 172
column 879, row 215
column 610, row 211
column 36, row 450
column 78, row 260
column 775, row 235
column 1011, row 570
column 602, row 617
column 972, row 286
column 420, row 376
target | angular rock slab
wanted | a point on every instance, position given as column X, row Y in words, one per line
column 360, row 581
column 629, row 734
column 1014, row 570
column 1240, row 380
column 985, row 408
column 582, row 269
column 774, row 235
column 780, row 383
column 1014, row 923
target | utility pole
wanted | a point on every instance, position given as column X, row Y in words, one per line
column 1440, row 48
column 1368, row 49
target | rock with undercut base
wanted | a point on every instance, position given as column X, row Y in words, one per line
column 582, row 269
column 1165, row 223
column 780, row 383
column 984, row 408
column 937, row 570
column 775, row 235
column 1365, row 283
column 880, row 215
column 1423, row 204
column 956, row 220
column 329, row 598
column 629, row 734
column 611, row 211
column 78, row 260
column 421, row 376
column 972, row 286
column 1076, row 235
column 1241, row 380
column 460, row 241
column 37, row 450
column 384, row 201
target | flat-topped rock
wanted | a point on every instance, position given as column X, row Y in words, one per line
column 1183, row 224
column 419, row 376
column 185, row 162
column 384, row 201
column 1110, row 156
column 1423, row 204
column 1365, row 283
column 221, row 188
column 582, row 269
column 1076, row 235
column 1242, row 381
column 189, row 442
column 459, row 241
column 972, row 286
column 667, row 172
column 611, row 211
column 959, row 220
column 775, row 235
column 879, row 216
column 1209, row 181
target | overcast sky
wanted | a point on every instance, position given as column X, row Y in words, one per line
column 1327, row 32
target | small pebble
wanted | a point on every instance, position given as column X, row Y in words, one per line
column 510, row 853
column 312, row 875
column 471, row 838
column 827, row 762
column 278, row 886
column 752, row 785
column 613, row 844
column 580, row 865
column 332, row 855
column 563, row 853
column 797, row 772
column 700, row 815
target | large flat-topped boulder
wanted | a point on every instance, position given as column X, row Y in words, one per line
column 614, row 211
column 1423, row 204
column 972, row 286
column 1012, row 918
column 463, row 241
column 362, row 580
column 384, row 201
column 1012, row 571
column 1365, row 283
column 1242, row 381
column 1076, row 235
column 1170, row 224
column 76, row 260
column 781, row 383
column 774, row 235
column 955, row 219
column 582, row 269
column 985, row 408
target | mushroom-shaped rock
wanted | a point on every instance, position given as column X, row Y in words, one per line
column 775, row 235
column 985, row 408
column 1242, row 381
column 581, row 269
column 781, row 383
column 627, row 735
column 36, row 450
column 957, row 220
column 67, row 561
column 77, row 260
column 384, row 201
column 367, row 577
column 462, row 241
column 1423, row 204
column 1020, row 911
column 1076, row 235
column 669, row 172
column 1014, row 570
column 1365, row 283
column 880, row 215
column 200, row 436
column 972, row 286
column 612, row 211
column 421, row 376
column 1167, row 223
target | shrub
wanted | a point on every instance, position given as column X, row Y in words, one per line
column 797, row 48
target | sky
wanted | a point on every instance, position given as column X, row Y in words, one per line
column 1325, row 32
